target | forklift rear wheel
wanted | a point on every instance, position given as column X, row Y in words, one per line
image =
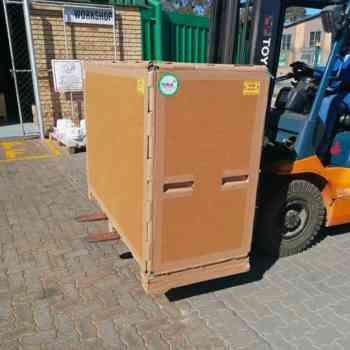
column 290, row 221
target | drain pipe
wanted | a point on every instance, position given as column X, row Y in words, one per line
column 28, row 25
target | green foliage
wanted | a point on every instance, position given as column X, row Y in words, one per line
column 295, row 13
column 193, row 7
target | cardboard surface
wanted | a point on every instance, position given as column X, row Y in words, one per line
column 115, row 125
column 209, row 140
column 175, row 166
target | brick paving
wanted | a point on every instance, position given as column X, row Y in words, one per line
column 59, row 292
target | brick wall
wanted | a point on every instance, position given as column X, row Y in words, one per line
column 84, row 42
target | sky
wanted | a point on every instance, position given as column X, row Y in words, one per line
column 312, row 11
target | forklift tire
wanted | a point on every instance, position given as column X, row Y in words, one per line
column 289, row 222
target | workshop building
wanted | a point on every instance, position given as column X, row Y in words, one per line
column 60, row 30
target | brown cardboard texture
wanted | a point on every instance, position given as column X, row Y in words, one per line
column 173, row 160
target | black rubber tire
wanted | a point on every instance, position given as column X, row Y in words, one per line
column 270, row 233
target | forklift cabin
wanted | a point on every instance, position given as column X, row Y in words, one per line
column 305, row 167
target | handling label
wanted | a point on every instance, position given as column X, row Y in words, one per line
column 168, row 84
column 140, row 86
column 251, row 88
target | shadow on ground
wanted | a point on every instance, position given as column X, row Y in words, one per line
column 333, row 231
column 259, row 265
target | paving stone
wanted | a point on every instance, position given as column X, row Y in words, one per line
column 5, row 312
column 14, row 345
column 224, row 320
column 325, row 335
column 16, row 282
column 342, row 308
column 130, row 337
column 39, row 338
column 294, row 297
column 296, row 330
column 65, row 343
column 304, row 343
column 43, row 317
column 15, row 333
column 313, row 318
column 269, row 324
column 154, row 341
column 334, row 319
column 307, row 287
column 93, row 344
column 277, row 342
column 261, row 345
column 285, row 313
column 232, row 301
column 86, row 329
column 249, row 316
column 211, row 308
column 333, row 346
column 107, row 332
column 329, row 289
column 64, row 326
column 24, row 314
column 320, row 302
column 174, row 334
column 239, row 339
column 261, row 310
column 150, row 326
column 92, row 299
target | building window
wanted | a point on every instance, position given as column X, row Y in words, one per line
column 315, row 39
column 286, row 42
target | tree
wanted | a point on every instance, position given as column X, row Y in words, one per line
column 197, row 7
column 295, row 13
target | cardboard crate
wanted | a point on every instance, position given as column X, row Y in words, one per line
column 173, row 159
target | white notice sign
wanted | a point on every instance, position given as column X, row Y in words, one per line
column 67, row 75
column 88, row 15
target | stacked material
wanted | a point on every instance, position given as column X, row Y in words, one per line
column 70, row 135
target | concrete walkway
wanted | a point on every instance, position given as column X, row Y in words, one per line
column 59, row 292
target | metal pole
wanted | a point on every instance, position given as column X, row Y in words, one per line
column 66, row 57
column 114, row 35
column 28, row 25
column 13, row 70
column 65, row 36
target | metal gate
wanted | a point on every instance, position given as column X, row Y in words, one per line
column 21, row 72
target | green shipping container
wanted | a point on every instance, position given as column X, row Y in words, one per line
column 170, row 36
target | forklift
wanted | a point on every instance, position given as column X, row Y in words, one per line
column 305, row 166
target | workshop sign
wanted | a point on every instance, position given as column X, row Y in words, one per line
column 67, row 75
column 88, row 15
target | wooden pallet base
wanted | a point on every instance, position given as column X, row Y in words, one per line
column 160, row 284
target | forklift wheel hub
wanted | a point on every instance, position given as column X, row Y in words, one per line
column 295, row 218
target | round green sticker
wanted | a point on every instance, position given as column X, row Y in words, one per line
column 168, row 84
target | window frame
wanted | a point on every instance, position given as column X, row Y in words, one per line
column 286, row 42
column 315, row 38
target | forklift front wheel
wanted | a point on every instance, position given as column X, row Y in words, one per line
column 289, row 222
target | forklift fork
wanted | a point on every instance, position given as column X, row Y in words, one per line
column 97, row 216
column 94, row 237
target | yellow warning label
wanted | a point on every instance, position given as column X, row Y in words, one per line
column 141, row 86
column 251, row 88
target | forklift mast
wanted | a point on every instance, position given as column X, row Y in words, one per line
column 250, row 31
column 266, row 35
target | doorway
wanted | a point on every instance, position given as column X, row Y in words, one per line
column 16, row 86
